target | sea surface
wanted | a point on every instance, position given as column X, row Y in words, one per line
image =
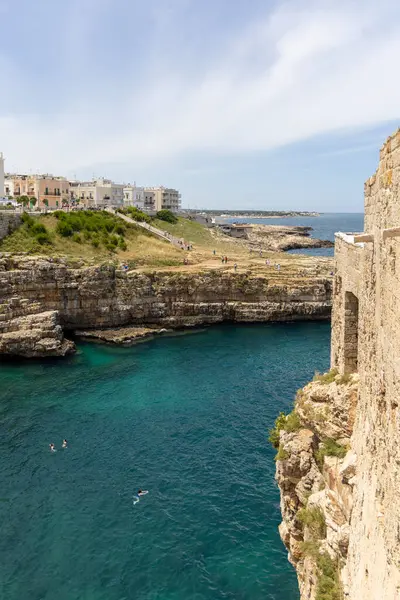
column 324, row 227
column 184, row 417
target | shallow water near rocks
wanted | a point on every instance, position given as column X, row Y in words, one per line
column 186, row 418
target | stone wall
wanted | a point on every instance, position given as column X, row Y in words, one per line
column 366, row 338
column 360, row 496
column 371, row 271
column 8, row 222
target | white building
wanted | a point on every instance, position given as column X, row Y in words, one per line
column 134, row 196
column 100, row 193
column 165, row 198
column 9, row 187
column 149, row 200
column 2, row 191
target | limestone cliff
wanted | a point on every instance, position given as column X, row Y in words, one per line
column 351, row 444
column 316, row 474
column 105, row 296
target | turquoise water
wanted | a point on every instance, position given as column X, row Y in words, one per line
column 186, row 418
column 324, row 228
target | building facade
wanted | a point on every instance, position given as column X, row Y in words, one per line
column 165, row 198
column 149, row 201
column 134, row 196
column 8, row 187
column 99, row 193
column 44, row 191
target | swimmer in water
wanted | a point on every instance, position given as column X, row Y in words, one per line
column 136, row 498
column 52, row 448
column 64, row 444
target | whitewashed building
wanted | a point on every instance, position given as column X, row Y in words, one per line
column 99, row 193
column 9, row 187
column 134, row 196
column 165, row 198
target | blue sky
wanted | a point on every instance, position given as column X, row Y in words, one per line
column 239, row 104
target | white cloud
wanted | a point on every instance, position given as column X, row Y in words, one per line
column 307, row 69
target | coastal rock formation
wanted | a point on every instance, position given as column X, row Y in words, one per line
column 122, row 336
column 27, row 332
column 278, row 238
column 357, row 433
column 107, row 297
column 316, row 473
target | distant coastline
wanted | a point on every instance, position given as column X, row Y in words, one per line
column 272, row 216
column 255, row 214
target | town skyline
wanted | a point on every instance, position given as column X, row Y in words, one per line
column 242, row 105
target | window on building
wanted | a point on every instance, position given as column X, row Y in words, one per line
column 46, row 192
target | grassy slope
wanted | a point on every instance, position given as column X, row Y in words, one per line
column 189, row 230
column 142, row 248
column 146, row 251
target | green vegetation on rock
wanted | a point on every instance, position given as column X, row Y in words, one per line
column 331, row 376
column 328, row 377
column 329, row 447
column 328, row 582
column 289, row 423
column 282, row 454
column 313, row 518
column 328, row 586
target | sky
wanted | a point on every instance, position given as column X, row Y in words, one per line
column 246, row 104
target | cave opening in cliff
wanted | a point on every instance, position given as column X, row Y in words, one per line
column 351, row 333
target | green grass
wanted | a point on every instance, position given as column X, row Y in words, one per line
column 190, row 231
column 90, row 236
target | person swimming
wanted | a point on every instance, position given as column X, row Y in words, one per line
column 52, row 448
column 64, row 444
column 136, row 498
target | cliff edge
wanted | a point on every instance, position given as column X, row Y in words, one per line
column 105, row 296
column 338, row 461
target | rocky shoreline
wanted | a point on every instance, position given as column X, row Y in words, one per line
column 279, row 238
column 45, row 296
column 121, row 336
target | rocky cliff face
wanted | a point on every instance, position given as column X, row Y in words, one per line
column 316, row 472
column 358, row 511
column 98, row 297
